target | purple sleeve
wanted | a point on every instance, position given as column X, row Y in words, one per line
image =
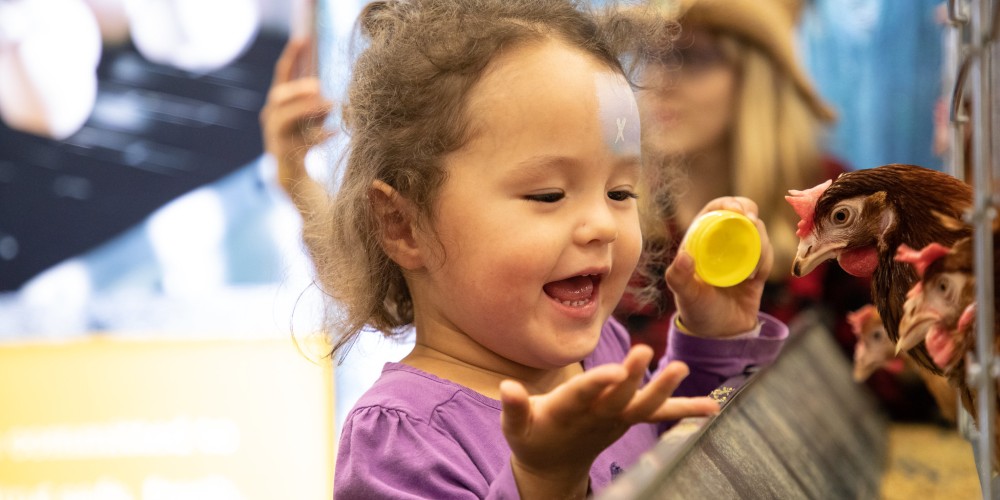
column 713, row 361
column 384, row 453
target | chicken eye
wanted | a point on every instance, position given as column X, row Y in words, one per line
column 841, row 215
column 877, row 335
column 942, row 286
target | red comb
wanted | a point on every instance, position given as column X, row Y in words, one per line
column 804, row 204
column 923, row 258
column 857, row 319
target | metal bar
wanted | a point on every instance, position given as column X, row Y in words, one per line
column 956, row 50
column 958, row 116
column 956, row 14
column 958, row 93
column 983, row 215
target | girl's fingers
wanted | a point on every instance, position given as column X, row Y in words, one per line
column 616, row 397
column 300, row 119
column 284, row 69
column 589, row 385
column 318, row 135
column 767, row 253
column 305, row 111
column 743, row 205
column 739, row 204
column 287, row 101
column 682, row 280
column 302, row 88
column 652, row 396
column 678, row 408
column 579, row 394
column 516, row 413
column 637, row 361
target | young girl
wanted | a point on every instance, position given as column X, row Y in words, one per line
column 489, row 199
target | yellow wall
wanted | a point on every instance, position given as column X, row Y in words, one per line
column 156, row 419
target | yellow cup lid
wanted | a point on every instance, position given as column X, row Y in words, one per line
column 725, row 246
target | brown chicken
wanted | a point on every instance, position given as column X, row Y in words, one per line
column 874, row 350
column 862, row 217
column 941, row 310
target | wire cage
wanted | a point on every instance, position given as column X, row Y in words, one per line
column 973, row 70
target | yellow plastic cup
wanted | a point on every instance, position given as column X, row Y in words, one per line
column 725, row 246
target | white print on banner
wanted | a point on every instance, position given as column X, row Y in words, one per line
column 618, row 113
column 181, row 436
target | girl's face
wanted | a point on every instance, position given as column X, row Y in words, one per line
column 536, row 229
column 688, row 97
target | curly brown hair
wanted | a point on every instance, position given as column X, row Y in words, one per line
column 405, row 109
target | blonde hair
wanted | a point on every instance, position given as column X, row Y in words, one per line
column 776, row 145
column 405, row 109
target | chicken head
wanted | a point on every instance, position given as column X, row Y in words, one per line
column 936, row 304
column 849, row 232
column 873, row 349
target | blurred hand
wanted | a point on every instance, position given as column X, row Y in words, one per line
column 709, row 311
column 293, row 116
column 555, row 437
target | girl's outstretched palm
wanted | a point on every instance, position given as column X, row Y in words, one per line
column 555, row 437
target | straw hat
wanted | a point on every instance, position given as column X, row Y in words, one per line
column 768, row 24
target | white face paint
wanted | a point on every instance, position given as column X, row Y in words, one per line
column 618, row 113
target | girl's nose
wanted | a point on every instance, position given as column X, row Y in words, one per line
column 597, row 225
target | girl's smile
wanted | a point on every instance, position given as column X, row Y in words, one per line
column 578, row 294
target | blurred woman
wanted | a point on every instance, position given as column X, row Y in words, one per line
column 728, row 104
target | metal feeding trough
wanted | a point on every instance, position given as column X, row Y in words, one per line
column 802, row 428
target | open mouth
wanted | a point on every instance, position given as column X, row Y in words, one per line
column 577, row 291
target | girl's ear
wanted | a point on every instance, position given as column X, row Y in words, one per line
column 396, row 218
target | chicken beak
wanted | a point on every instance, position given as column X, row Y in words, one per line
column 812, row 253
column 863, row 370
column 913, row 330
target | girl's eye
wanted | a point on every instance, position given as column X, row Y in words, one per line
column 545, row 197
column 621, row 195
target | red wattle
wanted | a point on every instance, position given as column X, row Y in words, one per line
column 860, row 262
column 940, row 346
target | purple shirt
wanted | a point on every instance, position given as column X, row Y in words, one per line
column 414, row 435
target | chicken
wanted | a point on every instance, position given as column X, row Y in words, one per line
column 874, row 350
column 862, row 217
column 939, row 309
column 942, row 308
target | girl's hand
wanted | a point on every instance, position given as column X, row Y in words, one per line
column 292, row 119
column 709, row 311
column 555, row 437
